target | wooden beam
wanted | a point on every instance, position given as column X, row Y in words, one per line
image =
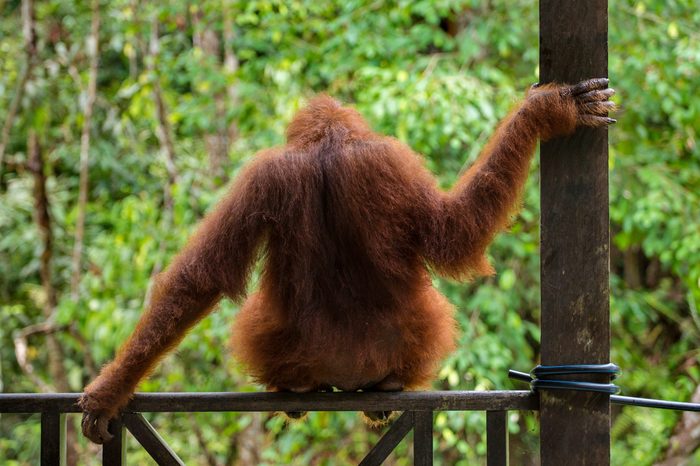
column 422, row 438
column 383, row 448
column 150, row 440
column 575, row 426
column 283, row 401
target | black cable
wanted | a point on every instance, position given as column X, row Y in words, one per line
column 541, row 378
column 652, row 403
column 544, row 377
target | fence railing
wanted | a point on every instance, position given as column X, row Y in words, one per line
column 418, row 409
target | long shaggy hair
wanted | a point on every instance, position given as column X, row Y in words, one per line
column 348, row 223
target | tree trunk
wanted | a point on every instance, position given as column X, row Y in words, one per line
column 231, row 66
column 685, row 439
column 54, row 349
column 164, row 133
column 29, row 33
column 93, row 41
column 247, row 442
column 218, row 140
column 163, row 130
column 633, row 267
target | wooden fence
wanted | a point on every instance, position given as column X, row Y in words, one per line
column 417, row 407
column 575, row 304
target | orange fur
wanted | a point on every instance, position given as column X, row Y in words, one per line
column 349, row 222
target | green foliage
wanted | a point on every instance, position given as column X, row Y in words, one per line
column 436, row 74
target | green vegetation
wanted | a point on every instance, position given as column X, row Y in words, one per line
column 438, row 75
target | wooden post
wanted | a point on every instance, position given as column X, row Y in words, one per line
column 497, row 438
column 422, row 438
column 53, row 438
column 575, row 426
column 114, row 451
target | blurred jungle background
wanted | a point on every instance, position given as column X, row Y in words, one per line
column 123, row 122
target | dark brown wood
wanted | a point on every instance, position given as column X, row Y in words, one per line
column 383, row 448
column 114, row 452
column 423, row 438
column 233, row 401
column 497, row 438
column 370, row 401
column 53, row 435
column 149, row 439
column 575, row 426
column 39, row 402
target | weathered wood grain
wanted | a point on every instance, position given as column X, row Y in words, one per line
column 233, row 401
column 575, row 426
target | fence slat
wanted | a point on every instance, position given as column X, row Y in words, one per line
column 53, row 435
column 147, row 436
column 423, row 438
column 114, row 452
column 398, row 430
column 497, row 438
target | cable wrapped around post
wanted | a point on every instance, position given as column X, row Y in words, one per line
column 544, row 377
column 541, row 377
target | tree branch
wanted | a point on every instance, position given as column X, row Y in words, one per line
column 21, row 345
